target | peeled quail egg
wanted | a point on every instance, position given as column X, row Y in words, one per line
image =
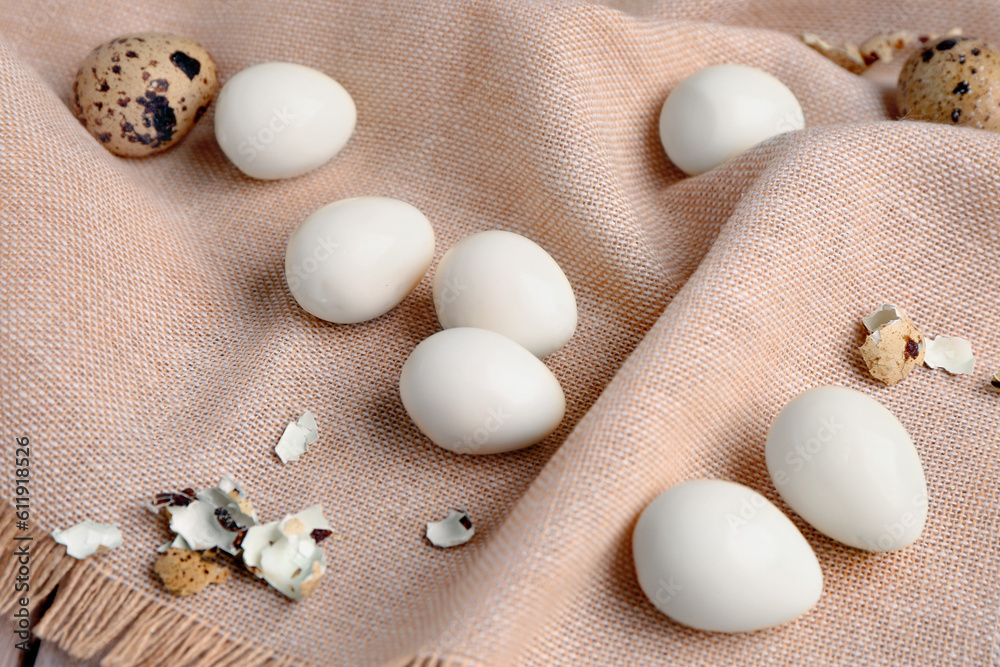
column 279, row 120
column 846, row 465
column 719, row 556
column 356, row 259
column 718, row 112
column 473, row 391
column 506, row 283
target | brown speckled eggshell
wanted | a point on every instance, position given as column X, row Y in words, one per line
column 954, row 80
column 140, row 94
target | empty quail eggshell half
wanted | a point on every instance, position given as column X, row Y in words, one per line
column 141, row 94
column 955, row 80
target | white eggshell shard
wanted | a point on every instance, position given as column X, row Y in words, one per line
column 297, row 437
column 719, row 112
column 452, row 531
column 279, row 120
column 473, row 391
column 259, row 537
column 88, row 538
column 950, row 353
column 846, row 465
column 884, row 314
column 284, row 553
column 506, row 283
column 356, row 259
column 215, row 518
column 719, row 556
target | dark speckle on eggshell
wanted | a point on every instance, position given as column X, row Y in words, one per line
column 946, row 44
column 186, row 64
column 961, row 89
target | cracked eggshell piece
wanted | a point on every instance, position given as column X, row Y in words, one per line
column 87, row 538
column 285, row 554
column 995, row 380
column 177, row 543
column 884, row 314
column 295, row 441
column 894, row 346
column 199, row 525
column 721, row 111
column 356, row 259
column 473, row 391
column 280, row 120
column 950, row 353
column 208, row 521
column 260, row 537
column 506, row 283
column 186, row 572
column 293, row 565
column 232, row 497
column 848, row 56
column 452, row 531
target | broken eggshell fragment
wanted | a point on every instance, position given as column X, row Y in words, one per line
column 285, row 553
column 298, row 435
column 950, row 353
column 185, row 572
column 215, row 519
column 894, row 346
column 87, row 538
column 454, row 530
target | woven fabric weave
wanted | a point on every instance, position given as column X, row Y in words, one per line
column 148, row 341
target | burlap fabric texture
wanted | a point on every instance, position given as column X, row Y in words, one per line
column 148, row 341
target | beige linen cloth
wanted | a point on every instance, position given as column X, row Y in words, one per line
column 149, row 343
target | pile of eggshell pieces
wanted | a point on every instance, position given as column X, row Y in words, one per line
column 283, row 553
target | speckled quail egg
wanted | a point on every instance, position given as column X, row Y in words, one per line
column 954, row 80
column 140, row 94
